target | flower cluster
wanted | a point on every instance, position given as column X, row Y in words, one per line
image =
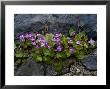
column 57, row 44
column 37, row 40
column 56, row 38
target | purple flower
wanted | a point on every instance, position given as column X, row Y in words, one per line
column 70, row 41
column 56, row 35
column 32, row 38
column 38, row 35
column 34, row 43
column 49, row 47
column 22, row 38
column 43, row 44
column 59, row 48
column 91, row 41
column 71, row 50
column 41, row 39
column 77, row 42
column 26, row 35
column 73, row 34
column 36, row 46
column 56, row 40
column 30, row 35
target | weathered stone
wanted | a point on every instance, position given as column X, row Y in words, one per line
column 90, row 62
column 30, row 69
column 68, row 74
column 74, row 69
column 50, row 71
column 60, row 22
column 65, row 70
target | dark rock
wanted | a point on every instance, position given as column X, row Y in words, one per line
column 30, row 69
column 65, row 70
column 69, row 62
column 90, row 62
column 60, row 22
column 50, row 71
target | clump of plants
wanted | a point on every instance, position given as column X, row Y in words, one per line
column 51, row 48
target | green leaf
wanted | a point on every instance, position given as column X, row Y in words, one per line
column 46, row 58
column 67, row 53
column 58, row 67
column 18, row 61
column 19, row 54
column 58, row 55
column 85, row 45
column 80, row 55
column 49, row 37
column 64, row 41
column 85, row 38
column 71, row 31
column 82, row 33
column 46, row 52
column 37, row 58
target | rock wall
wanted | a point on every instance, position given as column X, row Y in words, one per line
column 55, row 22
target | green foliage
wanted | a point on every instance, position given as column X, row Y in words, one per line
column 58, row 67
column 80, row 56
column 37, row 58
column 49, row 55
column 48, row 37
column 71, row 30
column 64, row 41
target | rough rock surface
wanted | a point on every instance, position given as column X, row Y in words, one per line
column 50, row 71
column 55, row 22
column 90, row 62
column 77, row 69
column 30, row 68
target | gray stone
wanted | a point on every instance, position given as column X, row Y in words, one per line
column 30, row 68
column 60, row 22
column 90, row 62
column 68, row 74
column 74, row 69
column 50, row 71
column 65, row 70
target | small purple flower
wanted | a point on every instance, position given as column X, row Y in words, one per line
column 56, row 35
column 73, row 34
column 44, row 44
column 71, row 50
column 91, row 41
column 34, row 43
column 36, row 46
column 56, row 40
column 26, row 35
column 59, row 48
column 77, row 42
column 32, row 38
column 49, row 47
column 38, row 35
column 22, row 38
column 70, row 41
column 41, row 39
column 30, row 35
